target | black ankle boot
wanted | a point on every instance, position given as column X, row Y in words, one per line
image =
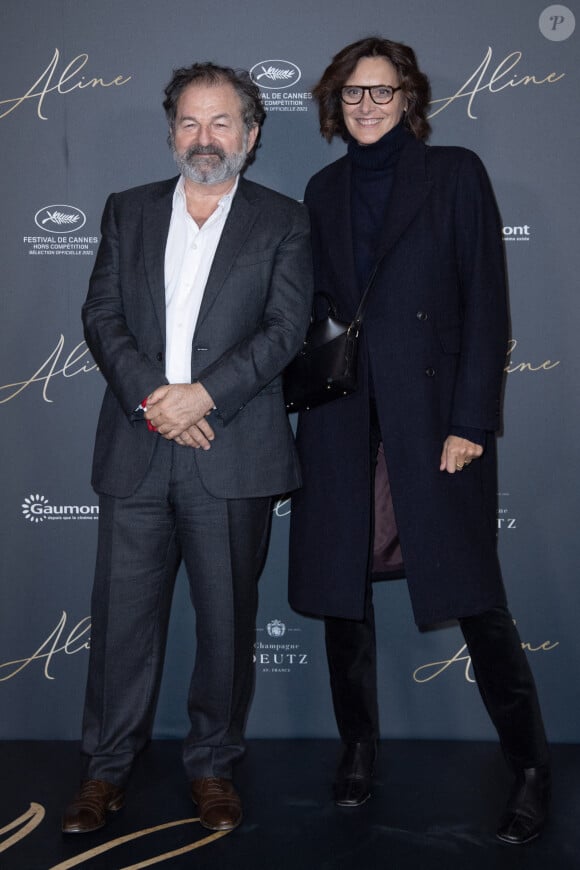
column 527, row 808
column 353, row 777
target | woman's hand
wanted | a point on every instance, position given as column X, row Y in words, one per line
column 457, row 453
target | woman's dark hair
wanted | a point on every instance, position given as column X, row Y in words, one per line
column 253, row 112
column 415, row 85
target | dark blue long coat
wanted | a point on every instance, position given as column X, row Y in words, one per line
column 435, row 334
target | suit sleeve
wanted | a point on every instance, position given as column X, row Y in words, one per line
column 129, row 373
column 481, row 269
column 244, row 369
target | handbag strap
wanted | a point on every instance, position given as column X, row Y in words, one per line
column 358, row 318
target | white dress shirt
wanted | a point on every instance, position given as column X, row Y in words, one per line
column 189, row 256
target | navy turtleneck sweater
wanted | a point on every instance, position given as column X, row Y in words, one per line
column 372, row 172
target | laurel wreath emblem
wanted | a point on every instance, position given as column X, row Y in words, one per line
column 59, row 217
column 276, row 73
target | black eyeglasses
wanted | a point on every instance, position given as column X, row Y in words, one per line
column 352, row 95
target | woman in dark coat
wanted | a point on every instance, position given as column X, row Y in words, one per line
column 433, row 347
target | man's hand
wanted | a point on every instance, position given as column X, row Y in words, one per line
column 458, row 452
column 199, row 435
column 178, row 411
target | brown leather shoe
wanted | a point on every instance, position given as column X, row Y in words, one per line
column 220, row 808
column 88, row 809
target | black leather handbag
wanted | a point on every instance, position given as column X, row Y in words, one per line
column 326, row 367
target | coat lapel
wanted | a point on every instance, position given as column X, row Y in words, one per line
column 156, row 219
column 237, row 228
column 343, row 234
column 338, row 229
column 410, row 190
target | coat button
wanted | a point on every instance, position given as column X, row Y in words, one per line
column 430, row 372
column 159, row 357
column 422, row 315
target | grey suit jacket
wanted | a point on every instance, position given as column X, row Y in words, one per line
column 252, row 321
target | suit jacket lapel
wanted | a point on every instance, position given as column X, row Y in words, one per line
column 237, row 228
column 411, row 186
column 156, row 219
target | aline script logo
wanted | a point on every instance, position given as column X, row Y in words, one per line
column 484, row 78
column 511, row 366
column 77, row 362
column 70, row 79
column 62, row 639
column 281, row 507
column 430, row 671
column 24, row 824
column 36, row 508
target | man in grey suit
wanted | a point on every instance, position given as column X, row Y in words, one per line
column 200, row 296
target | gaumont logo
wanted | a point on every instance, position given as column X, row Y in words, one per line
column 60, row 219
column 275, row 74
column 33, row 506
column 517, row 234
column 36, row 508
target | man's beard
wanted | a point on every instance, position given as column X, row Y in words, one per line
column 209, row 170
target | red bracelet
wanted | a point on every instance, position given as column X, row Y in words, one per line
column 150, row 425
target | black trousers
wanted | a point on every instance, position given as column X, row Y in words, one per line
column 500, row 667
column 142, row 540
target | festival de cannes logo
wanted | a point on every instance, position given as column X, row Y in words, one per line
column 36, row 508
column 275, row 74
column 60, row 219
column 60, row 226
